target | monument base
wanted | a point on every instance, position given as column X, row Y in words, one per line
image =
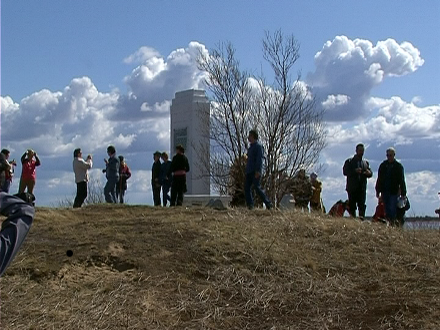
column 203, row 200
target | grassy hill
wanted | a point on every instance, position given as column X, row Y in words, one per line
column 138, row 267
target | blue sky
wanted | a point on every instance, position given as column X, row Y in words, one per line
column 54, row 50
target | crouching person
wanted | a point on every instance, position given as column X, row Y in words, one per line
column 20, row 214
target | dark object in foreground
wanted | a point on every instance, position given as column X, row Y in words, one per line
column 20, row 213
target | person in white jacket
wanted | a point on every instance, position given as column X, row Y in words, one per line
column 80, row 168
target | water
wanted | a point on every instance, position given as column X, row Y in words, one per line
column 415, row 224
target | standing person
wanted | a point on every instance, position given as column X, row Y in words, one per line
column 301, row 190
column 316, row 200
column 6, row 171
column 357, row 170
column 390, row 184
column 254, row 166
column 112, row 175
column 29, row 161
column 124, row 175
column 20, row 215
column 155, row 178
column 179, row 167
column 165, row 180
column 80, row 168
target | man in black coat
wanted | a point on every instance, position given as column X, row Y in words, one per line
column 357, row 170
column 390, row 184
column 155, row 178
column 179, row 167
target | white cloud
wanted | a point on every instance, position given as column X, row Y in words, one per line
column 157, row 79
column 141, row 55
column 353, row 67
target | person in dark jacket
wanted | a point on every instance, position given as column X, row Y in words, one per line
column 165, row 180
column 112, row 175
column 6, row 170
column 390, row 184
column 178, row 169
column 155, row 178
column 20, row 215
column 357, row 170
column 254, row 167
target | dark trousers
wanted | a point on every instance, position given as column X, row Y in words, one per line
column 251, row 180
column 156, row 194
column 81, row 194
column 120, row 193
column 165, row 196
column 356, row 199
column 178, row 188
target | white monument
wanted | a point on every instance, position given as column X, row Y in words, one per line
column 190, row 112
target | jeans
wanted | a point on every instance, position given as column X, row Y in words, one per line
column 390, row 202
column 165, row 196
column 251, row 180
column 110, row 190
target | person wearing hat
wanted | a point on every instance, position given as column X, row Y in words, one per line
column 390, row 184
column 316, row 200
column 301, row 189
column 29, row 161
column 179, row 167
column 155, row 178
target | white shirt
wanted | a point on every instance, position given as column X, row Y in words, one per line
column 80, row 167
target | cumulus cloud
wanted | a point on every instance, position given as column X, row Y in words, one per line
column 142, row 55
column 156, row 79
column 347, row 70
column 80, row 115
column 59, row 121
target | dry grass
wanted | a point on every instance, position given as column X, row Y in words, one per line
column 138, row 267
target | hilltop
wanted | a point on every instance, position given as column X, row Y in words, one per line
column 139, row 267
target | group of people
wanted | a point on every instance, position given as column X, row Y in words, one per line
column 390, row 186
column 306, row 191
column 168, row 175
column 116, row 171
column 29, row 163
column 165, row 176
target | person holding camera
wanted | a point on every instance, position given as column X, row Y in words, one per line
column 6, row 171
column 80, row 168
column 357, row 170
column 29, row 161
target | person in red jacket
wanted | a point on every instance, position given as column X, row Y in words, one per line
column 29, row 162
column 124, row 175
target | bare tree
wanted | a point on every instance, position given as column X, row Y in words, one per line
column 290, row 125
column 230, row 115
